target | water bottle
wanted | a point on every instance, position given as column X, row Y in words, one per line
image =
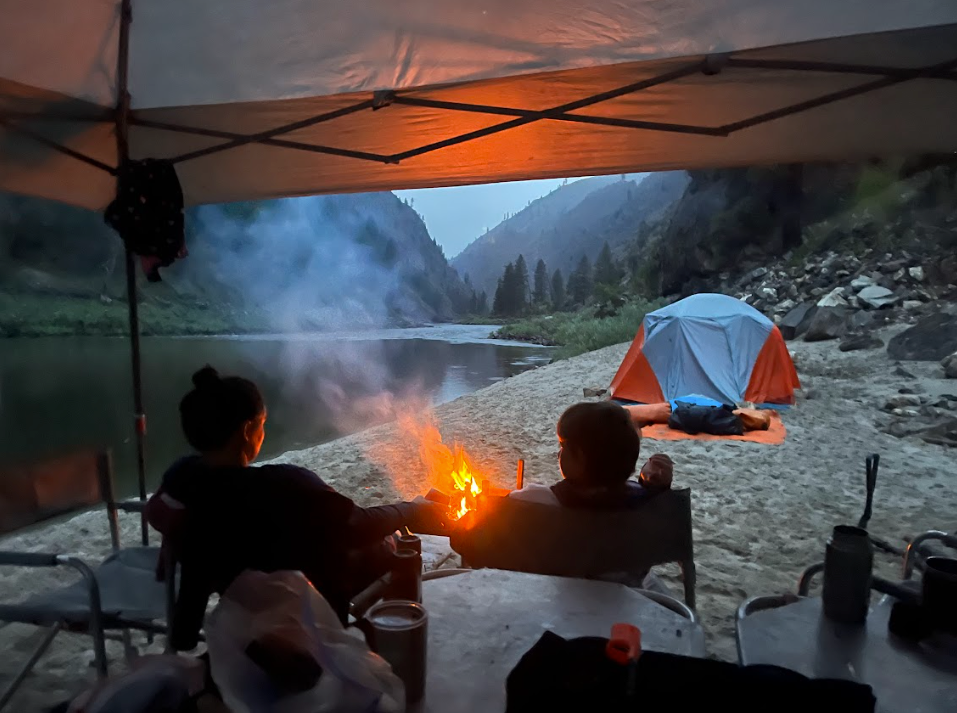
column 848, row 566
column 406, row 580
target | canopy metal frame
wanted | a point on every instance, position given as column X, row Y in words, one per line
column 879, row 77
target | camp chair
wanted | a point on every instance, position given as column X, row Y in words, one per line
column 120, row 594
column 544, row 539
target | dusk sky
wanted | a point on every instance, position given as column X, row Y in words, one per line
column 456, row 216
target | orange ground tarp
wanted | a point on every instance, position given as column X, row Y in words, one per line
column 774, row 436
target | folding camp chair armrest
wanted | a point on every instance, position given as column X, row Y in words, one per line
column 42, row 559
column 28, row 559
column 804, row 583
column 134, row 505
column 912, row 554
column 755, row 604
column 670, row 603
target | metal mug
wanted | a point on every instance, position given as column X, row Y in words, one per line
column 939, row 593
column 398, row 631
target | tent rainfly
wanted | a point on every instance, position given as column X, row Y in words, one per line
column 256, row 99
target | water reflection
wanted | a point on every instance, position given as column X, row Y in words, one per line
column 57, row 394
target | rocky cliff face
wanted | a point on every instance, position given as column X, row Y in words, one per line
column 726, row 216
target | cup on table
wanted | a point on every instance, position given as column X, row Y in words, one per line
column 939, row 592
column 398, row 631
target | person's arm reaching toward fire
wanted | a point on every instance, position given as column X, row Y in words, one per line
column 368, row 525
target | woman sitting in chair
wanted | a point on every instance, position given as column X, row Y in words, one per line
column 221, row 517
column 599, row 449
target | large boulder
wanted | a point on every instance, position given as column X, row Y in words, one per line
column 860, row 321
column 857, row 342
column 876, row 297
column 827, row 323
column 834, row 298
column 950, row 366
column 931, row 339
column 796, row 322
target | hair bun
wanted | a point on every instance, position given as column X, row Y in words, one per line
column 206, row 377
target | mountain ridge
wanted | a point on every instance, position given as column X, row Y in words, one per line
column 573, row 220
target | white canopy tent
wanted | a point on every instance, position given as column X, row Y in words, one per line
column 257, row 99
column 468, row 91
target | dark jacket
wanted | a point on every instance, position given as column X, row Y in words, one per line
column 266, row 518
column 626, row 496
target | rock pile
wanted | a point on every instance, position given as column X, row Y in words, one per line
column 845, row 297
column 934, row 421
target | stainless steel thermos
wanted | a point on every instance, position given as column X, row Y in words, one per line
column 398, row 632
column 848, row 569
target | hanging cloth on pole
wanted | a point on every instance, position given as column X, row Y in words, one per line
column 148, row 213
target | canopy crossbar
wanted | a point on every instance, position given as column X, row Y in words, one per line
column 882, row 77
column 17, row 128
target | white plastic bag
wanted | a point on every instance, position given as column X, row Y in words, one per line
column 285, row 604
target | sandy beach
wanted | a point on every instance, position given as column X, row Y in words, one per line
column 762, row 513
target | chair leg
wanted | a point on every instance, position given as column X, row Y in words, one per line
column 96, row 611
column 688, row 578
column 129, row 651
column 28, row 667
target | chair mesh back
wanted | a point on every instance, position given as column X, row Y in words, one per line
column 34, row 492
column 543, row 539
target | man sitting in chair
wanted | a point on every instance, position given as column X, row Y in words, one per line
column 599, row 449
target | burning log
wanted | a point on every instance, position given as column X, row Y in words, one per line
column 437, row 496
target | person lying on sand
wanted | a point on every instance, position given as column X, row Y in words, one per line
column 221, row 516
column 599, row 448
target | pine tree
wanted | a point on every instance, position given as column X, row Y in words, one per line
column 473, row 303
column 498, row 302
column 606, row 271
column 482, row 308
column 540, row 294
column 558, row 291
column 506, row 296
column 580, row 283
column 522, row 290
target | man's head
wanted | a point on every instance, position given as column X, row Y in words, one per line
column 599, row 443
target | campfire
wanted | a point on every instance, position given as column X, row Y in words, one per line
column 453, row 477
column 465, row 485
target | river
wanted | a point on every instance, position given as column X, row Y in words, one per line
column 62, row 393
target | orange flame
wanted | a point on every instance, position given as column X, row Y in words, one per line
column 450, row 471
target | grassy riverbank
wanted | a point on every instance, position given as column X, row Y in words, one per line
column 582, row 331
column 51, row 315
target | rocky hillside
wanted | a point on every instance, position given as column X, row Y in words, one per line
column 730, row 217
column 294, row 264
column 573, row 220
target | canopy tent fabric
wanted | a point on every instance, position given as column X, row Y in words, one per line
column 709, row 345
column 266, row 98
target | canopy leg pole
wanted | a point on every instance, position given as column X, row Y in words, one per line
column 123, row 153
column 139, row 414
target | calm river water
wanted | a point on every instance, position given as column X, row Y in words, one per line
column 63, row 393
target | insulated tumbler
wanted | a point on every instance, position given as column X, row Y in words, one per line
column 848, row 567
column 398, row 632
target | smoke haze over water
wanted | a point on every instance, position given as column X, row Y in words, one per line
column 330, row 263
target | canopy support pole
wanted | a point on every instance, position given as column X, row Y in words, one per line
column 123, row 153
